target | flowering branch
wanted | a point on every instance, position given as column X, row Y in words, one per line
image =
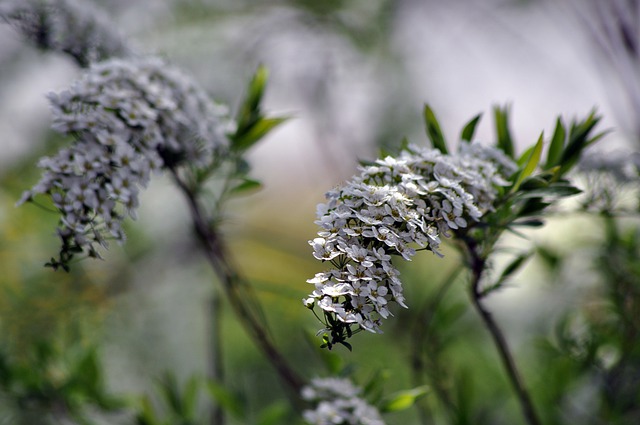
column 399, row 203
column 73, row 27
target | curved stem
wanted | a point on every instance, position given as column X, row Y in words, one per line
column 526, row 405
column 218, row 257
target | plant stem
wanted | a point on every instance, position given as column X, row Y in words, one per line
column 218, row 257
column 216, row 371
column 478, row 263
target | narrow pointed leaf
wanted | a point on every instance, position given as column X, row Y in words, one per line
column 531, row 163
column 171, row 392
column 190, row 398
column 255, row 132
column 503, row 133
column 514, row 266
column 557, row 145
column 433, row 130
column 255, row 90
column 578, row 140
column 553, row 191
column 403, row 399
column 470, row 128
column 246, row 185
column 146, row 416
column 508, row 271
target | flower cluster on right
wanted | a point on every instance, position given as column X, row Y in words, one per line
column 393, row 207
column 338, row 401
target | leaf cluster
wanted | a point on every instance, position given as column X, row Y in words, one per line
column 539, row 182
column 48, row 378
column 178, row 404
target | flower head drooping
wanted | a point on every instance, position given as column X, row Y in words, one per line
column 393, row 207
column 70, row 26
column 129, row 118
column 337, row 401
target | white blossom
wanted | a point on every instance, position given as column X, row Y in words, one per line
column 393, row 208
column 74, row 27
column 610, row 177
column 129, row 119
column 338, row 402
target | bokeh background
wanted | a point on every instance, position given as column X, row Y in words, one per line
column 353, row 76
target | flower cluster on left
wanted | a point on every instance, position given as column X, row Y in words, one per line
column 128, row 119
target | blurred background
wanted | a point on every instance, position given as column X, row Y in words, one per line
column 353, row 76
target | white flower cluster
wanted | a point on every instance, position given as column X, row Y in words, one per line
column 338, row 402
column 70, row 26
column 609, row 178
column 129, row 118
column 393, row 207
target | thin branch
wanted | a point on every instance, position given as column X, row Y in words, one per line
column 477, row 267
column 218, row 257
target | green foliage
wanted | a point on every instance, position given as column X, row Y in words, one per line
column 528, row 162
column 556, row 147
column 230, row 401
column 252, row 125
column 403, row 399
column 49, row 377
column 177, row 404
column 503, row 133
column 469, row 129
column 433, row 130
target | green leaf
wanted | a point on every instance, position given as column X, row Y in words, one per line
column 255, row 92
column 245, row 185
column 190, row 398
column 229, row 401
column 88, row 371
column 254, row 132
column 274, row 414
column 171, row 393
column 508, row 271
column 403, row 399
column 551, row 258
column 505, row 141
column 433, row 130
column 533, row 206
column 557, row 145
column 514, row 266
column 554, row 191
column 470, row 128
column 145, row 415
column 579, row 138
column 529, row 222
column 531, row 163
